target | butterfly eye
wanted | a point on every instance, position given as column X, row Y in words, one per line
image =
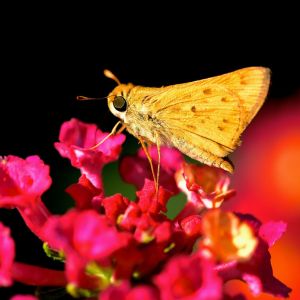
column 120, row 103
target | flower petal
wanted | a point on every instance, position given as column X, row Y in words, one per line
column 7, row 255
column 75, row 141
column 272, row 231
column 22, row 181
column 134, row 169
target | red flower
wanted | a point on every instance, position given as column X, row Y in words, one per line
column 188, row 278
column 125, row 292
column 135, row 169
column 205, row 187
column 85, row 194
column 115, row 206
column 192, row 225
column 76, row 138
column 7, row 255
column 131, row 216
column 149, row 201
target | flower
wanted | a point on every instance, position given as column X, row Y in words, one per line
column 23, row 297
column 257, row 270
column 115, row 206
column 7, row 255
column 27, row 274
column 85, row 237
column 75, row 142
column 189, row 277
column 115, row 247
column 150, row 201
column 205, row 187
column 126, row 292
column 227, row 236
column 23, row 181
column 85, row 194
column 135, row 169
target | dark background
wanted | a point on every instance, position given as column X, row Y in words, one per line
column 50, row 55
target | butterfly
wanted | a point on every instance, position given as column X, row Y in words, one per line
column 204, row 119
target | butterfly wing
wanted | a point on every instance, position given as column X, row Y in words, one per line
column 205, row 118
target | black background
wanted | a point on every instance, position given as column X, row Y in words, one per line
column 52, row 54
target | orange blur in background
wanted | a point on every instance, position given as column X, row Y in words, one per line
column 267, row 181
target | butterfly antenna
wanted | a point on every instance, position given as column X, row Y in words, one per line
column 83, row 98
column 110, row 75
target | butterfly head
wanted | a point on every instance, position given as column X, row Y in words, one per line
column 117, row 100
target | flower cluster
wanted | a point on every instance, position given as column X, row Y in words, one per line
column 118, row 248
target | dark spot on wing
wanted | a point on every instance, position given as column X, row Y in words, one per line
column 149, row 118
column 207, row 91
column 193, row 108
column 193, row 127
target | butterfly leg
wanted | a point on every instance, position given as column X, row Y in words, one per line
column 158, row 162
column 113, row 132
column 150, row 162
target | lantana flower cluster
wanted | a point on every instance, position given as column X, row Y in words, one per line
column 128, row 249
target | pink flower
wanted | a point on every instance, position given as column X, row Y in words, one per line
column 87, row 233
column 257, row 271
column 23, row 297
column 7, row 255
column 272, row 231
column 27, row 274
column 189, row 277
column 135, row 169
column 94, row 238
column 129, row 250
column 85, row 237
column 23, row 181
column 76, row 138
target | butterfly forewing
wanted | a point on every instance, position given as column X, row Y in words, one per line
column 214, row 110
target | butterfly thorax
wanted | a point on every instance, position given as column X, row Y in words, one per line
column 138, row 116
